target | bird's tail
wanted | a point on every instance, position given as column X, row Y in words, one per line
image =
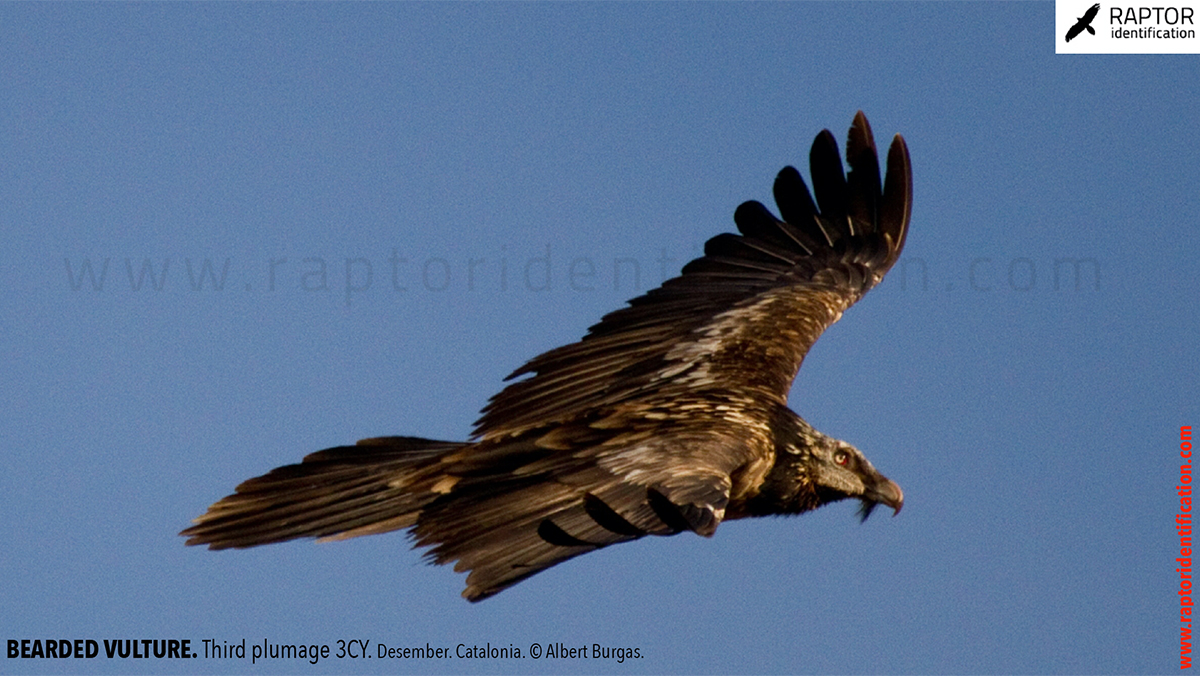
column 376, row 486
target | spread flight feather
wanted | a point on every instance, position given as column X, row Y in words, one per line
column 669, row 415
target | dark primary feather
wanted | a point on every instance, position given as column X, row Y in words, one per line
column 815, row 265
column 669, row 415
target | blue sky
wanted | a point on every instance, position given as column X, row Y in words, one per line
column 404, row 202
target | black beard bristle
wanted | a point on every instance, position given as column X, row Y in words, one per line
column 864, row 510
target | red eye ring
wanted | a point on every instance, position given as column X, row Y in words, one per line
column 842, row 458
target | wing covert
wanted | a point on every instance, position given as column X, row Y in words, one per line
column 742, row 317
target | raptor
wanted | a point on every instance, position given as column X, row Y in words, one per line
column 670, row 415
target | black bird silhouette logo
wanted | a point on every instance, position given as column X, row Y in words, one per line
column 1084, row 22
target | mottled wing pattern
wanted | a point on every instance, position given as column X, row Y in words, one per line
column 555, row 505
column 662, row 414
column 741, row 318
column 650, row 425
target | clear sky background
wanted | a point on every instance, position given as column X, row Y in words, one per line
column 1031, row 418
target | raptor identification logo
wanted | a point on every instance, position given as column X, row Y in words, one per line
column 1124, row 27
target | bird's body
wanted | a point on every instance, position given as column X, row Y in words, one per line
column 670, row 415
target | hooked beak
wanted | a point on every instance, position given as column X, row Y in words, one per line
column 884, row 491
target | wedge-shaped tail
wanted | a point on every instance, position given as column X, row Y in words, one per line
column 376, row 486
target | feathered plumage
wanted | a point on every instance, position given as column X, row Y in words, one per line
column 669, row 415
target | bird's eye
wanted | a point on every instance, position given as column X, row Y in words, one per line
column 842, row 458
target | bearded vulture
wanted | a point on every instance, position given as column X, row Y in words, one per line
column 670, row 415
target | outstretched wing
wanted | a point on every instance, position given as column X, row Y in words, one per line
column 740, row 319
column 503, row 511
column 653, row 424
column 545, row 506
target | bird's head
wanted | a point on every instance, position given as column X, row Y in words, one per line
column 812, row 469
column 840, row 471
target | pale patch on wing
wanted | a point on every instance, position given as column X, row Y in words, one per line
column 445, row 484
column 758, row 345
column 741, row 317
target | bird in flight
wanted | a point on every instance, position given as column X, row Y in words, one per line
column 1084, row 22
column 670, row 415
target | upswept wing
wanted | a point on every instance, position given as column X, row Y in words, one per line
column 740, row 319
column 651, row 425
